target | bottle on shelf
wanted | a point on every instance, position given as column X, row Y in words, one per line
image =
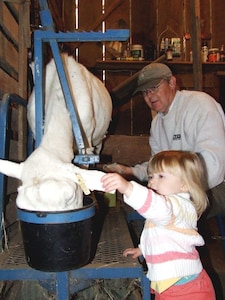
column 169, row 53
column 166, row 44
column 222, row 53
column 162, row 47
column 191, row 56
column 204, row 51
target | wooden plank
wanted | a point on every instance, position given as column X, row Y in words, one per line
column 205, row 21
column 56, row 8
column 109, row 9
column 119, row 18
column 93, row 21
column 170, row 20
column 15, row 1
column 24, row 25
column 196, row 43
column 217, row 27
column 89, row 12
column 8, row 22
column 139, row 16
column 15, row 39
column 22, row 68
column 13, row 8
column 128, row 150
column 68, row 14
column 7, row 83
column 186, row 81
column 8, row 68
column 23, row 45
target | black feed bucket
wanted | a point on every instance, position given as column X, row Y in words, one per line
column 57, row 241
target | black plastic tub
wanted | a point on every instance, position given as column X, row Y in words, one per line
column 57, row 241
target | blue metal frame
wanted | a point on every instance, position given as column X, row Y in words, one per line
column 53, row 39
column 220, row 221
column 62, row 279
column 55, row 217
column 48, row 35
column 4, row 113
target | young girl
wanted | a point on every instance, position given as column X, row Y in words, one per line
column 173, row 203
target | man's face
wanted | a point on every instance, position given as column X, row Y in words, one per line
column 160, row 97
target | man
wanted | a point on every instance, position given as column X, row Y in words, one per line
column 185, row 120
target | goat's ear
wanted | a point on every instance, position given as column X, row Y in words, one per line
column 10, row 168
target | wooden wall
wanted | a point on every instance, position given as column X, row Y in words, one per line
column 118, row 14
column 9, row 50
column 173, row 17
column 126, row 149
column 163, row 18
column 148, row 20
column 14, row 41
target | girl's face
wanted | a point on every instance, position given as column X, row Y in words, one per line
column 165, row 184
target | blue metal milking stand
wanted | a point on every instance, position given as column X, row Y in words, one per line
column 6, row 101
column 62, row 279
column 48, row 35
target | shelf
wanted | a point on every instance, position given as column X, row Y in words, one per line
column 183, row 67
column 177, row 66
column 117, row 65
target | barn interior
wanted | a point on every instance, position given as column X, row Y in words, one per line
column 191, row 24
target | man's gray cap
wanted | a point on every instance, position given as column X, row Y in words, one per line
column 151, row 75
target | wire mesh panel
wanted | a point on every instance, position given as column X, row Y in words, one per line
column 113, row 240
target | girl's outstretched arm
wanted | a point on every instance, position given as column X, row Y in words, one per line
column 114, row 181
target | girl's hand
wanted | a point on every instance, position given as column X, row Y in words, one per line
column 114, row 181
column 135, row 252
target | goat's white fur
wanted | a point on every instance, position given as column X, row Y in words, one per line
column 48, row 177
column 92, row 100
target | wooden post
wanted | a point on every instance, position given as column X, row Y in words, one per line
column 24, row 43
column 196, row 43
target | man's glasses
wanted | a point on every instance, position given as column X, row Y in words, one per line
column 153, row 89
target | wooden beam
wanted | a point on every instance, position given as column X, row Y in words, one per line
column 24, row 43
column 196, row 43
column 16, row 1
column 103, row 17
column 107, row 13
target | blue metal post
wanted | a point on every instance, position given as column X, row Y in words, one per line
column 62, row 286
column 39, row 98
column 4, row 110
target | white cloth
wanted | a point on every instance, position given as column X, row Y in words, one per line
column 91, row 178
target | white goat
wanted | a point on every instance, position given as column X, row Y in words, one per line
column 49, row 181
column 92, row 100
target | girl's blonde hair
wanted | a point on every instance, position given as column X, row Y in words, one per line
column 189, row 168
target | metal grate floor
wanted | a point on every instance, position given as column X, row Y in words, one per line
column 14, row 257
column 108, row 262
column 113, row 241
